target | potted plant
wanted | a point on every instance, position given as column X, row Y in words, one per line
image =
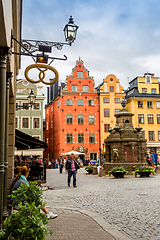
column 118, row 172
column 144, row 171
column 27, row 223
column 89, row 169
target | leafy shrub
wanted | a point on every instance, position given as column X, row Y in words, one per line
column 25, row 194
column 117, row 169
column 143, row 169
column 89, row 168
column 26, row 224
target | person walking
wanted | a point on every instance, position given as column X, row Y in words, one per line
column 153, row 160
column 61, row 162
column 156, row 158
column 71, row 167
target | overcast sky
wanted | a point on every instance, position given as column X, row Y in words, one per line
column 120, row 37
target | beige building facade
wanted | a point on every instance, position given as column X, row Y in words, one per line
column 10, row 23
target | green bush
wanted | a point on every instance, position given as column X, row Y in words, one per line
column 143, row 169
column 25, row 194
column 27, row 223
column 117, row 169
column 89, row 168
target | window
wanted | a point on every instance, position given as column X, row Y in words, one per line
column 117, row 100
column 140, row 104
column 158, row 135
column 106, row 112
column 19, row 90
column 140, row 118
column 90, row 102
column 69, row 137
column 25, row 122
column 85, row 88
column 148, row 79
column 158, row 118
column 47, row 126
column 143, row 133
column 47, row 111
column 106, row 100
column 91, row 119
column 153, row 90
column 36, row 106
column 69, row 102
column 79, row 74
column 151, row 135
column 111, row 89
column 31, row 90
column 37, row 137
column 69, row 119
column 25, row 106
column 74, row 88
column 16, row 122
column 47, row 140
column 36, row 122
column 51, row 141
column 51, row 123
column 80, row 102
column 117, row 110
column 149, row 104
column 150, row 119
column 51, row 109
column 157, row 104
column 144, row 90
column 58, row 103
column 80, row 119
column 106, row 127
column 16, row 105
column 80, row 137
column 91, row 137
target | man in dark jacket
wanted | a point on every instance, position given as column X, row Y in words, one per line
column 71, row 167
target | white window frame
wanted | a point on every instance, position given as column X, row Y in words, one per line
column 74, row 88
column 17, row 122
column 158, row 103
column 39, row 122
column 22, row 122
column 37, row 136
column 85, row 88
column 39, row 107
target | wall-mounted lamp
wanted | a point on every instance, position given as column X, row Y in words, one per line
column 31, row 101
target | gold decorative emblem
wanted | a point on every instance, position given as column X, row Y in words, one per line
column 42, row 68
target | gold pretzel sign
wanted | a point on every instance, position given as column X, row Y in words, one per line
column 42, row 73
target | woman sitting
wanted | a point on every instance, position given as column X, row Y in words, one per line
column 21, row 178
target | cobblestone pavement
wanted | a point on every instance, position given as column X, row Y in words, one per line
column 130, row 204
column 73, row 225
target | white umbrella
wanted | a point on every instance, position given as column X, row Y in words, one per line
column 73, row 152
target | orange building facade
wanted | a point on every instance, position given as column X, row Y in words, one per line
column 72, row 119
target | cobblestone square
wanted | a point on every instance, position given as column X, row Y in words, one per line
column 130, row 205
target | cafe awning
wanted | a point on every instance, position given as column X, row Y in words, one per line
column 24, row 141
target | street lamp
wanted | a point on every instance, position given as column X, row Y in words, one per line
column 70, row 31
column 31, row 101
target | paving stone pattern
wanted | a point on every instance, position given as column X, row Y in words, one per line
column 131, row 205
column 74, row 225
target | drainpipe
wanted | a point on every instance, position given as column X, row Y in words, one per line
column 5, row 213
column 4, row 51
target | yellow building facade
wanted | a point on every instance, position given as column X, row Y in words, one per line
column 143, row 99
column 110, row 95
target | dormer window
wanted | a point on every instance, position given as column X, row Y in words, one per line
column 79, row 74
column 148, row 79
